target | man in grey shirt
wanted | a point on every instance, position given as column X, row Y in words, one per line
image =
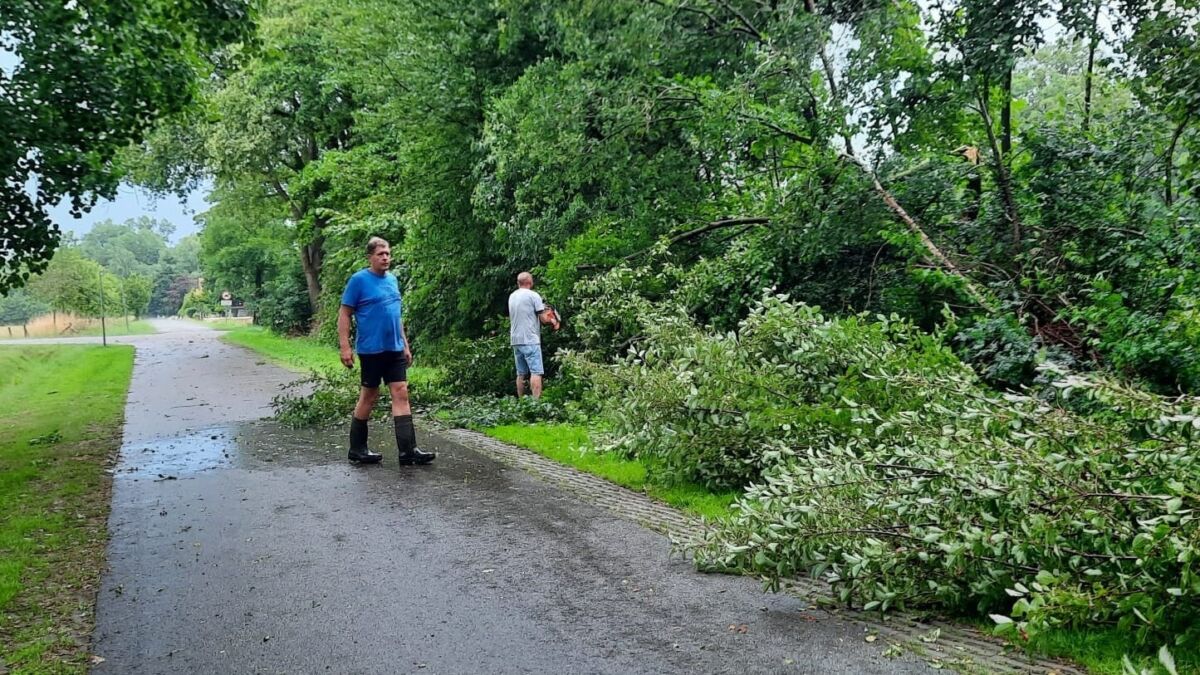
column 527, row 313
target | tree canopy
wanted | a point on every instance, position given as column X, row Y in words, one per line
column 1029, row 165
column 87, row 79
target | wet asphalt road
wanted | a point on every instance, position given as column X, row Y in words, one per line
column 241, row 547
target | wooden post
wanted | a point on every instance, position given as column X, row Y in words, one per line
column 103, row 329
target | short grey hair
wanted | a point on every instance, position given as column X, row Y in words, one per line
column 374, row 243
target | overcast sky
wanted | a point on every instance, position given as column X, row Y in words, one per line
column 131, row 203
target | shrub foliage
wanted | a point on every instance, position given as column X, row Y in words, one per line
column 876, row 460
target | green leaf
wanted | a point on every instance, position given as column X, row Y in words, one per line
column 1167, row 660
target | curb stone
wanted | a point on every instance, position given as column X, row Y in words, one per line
column 943, row 644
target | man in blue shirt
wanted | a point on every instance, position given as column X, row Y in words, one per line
column 372, row 299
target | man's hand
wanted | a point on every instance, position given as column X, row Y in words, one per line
column 347, row 357
column 407, row 355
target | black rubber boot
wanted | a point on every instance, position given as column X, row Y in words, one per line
column 358, row 444
column 406, row 442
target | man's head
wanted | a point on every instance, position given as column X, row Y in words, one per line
column 524, row 280
column 379, row 254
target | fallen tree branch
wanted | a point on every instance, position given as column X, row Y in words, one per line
column 716, row 225
column 934, row 252
column 690, row 234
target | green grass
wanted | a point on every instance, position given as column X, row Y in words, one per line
column 224, row 324
column 60, row 414
column 306, row 355
column 1099, row 650
column 570, row 445
column 301, row 355
column 116, row 326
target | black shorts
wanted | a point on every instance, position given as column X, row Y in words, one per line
column 387, row 366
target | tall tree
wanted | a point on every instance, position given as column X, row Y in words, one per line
column 268, row 127
column 989, row 38
column 72, row 283
column 1164, row 50
column 90, row 77
column 133, row 247
column 136, row 291
column 424, row 73
column 244, row 241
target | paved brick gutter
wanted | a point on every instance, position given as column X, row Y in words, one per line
column 942, row 643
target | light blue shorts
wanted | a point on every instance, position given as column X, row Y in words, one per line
column 529, row 359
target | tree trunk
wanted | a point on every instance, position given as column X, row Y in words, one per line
column 1093, row 44
column 935, row 254
column 1168, row 179
column 1006, row 118
column 1087, row 87
column 311, row 258
column 1001, row 169
column 834, row 95
column 312, row 254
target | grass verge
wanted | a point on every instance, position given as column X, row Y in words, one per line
column 301, row 355
column 569, row 444
column 224, row 324
column 305, row 355
column 1100, row 650
column 115, row 327
column 60, row 414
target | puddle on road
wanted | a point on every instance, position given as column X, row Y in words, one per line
column 246, row 445
column 265, row 445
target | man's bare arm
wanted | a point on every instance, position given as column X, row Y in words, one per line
column 407, row 347
column 343, row 331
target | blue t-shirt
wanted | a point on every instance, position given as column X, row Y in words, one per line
column 375, row 299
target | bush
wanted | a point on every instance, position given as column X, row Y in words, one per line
column 614, row 307
column 284, row 306
column 570, row 388
column 1006, row 505
column 477, row 367
column 197, row 304
column 1162, row 349
column 719, row 408
column 877, row 461
column 1000, row 350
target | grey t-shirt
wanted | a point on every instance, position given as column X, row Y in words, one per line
column 523, row 308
